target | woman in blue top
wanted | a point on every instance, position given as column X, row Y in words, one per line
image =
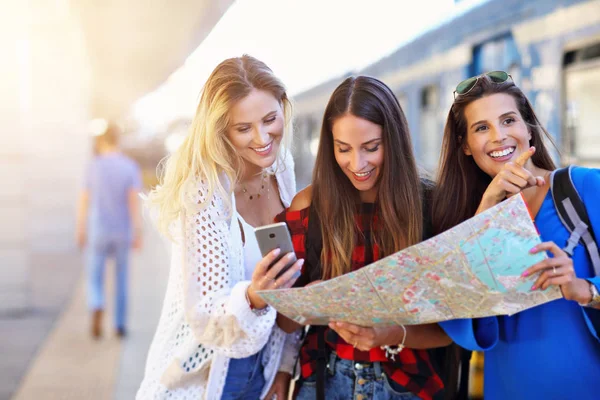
column 493, row 148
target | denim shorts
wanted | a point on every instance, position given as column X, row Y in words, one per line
column 348, row 379
column 245, row 378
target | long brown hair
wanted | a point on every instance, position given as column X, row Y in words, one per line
column 460, row 182
column 398, row 194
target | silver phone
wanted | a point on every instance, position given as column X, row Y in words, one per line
column 273, row 236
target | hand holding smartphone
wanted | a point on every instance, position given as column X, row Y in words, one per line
column 273, row 236
column 279, row 268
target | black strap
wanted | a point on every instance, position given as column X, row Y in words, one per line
column 427, row 187
column 465, row 370
column 322, row 357
column 314, row 246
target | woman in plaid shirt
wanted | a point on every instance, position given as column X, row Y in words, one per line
column 368, row 198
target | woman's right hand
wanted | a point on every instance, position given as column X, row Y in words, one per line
column 265, row 278
column 511, row 180
column 288, row 325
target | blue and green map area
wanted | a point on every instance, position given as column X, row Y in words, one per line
column 472, row 270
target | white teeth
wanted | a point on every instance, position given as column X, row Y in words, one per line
column 263, row 149
column 362, row 174
column 496, row 154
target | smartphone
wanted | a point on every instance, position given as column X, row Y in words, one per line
column 273, row 236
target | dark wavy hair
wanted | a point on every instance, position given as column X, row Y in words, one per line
column 460, row 182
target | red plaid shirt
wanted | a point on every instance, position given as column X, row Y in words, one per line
column 412, row 370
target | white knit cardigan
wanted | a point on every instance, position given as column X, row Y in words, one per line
column 206, row 319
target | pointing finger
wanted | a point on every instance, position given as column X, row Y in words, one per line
column 539, row 181
column 522, row 159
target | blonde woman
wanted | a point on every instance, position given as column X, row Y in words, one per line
column 216, row 338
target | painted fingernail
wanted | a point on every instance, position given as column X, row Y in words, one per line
column 526, row 273
column 533, row 287
column 533, row 249
column 290, row 255
column 276, row 252
column 301, row 262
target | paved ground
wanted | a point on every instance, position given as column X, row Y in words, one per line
column 48, row 353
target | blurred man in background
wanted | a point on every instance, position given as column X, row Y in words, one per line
column 108, row 224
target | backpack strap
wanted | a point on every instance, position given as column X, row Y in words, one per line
column 573, row 215
column 313, row 243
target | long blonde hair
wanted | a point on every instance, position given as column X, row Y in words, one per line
column 206, row 153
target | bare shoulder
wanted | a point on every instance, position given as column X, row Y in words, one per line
column 302, row 199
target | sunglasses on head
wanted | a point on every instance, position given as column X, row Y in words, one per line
column 468, row 84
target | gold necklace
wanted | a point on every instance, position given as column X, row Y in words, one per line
column 262, row 187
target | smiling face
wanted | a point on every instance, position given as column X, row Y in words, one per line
column 358, row 148
column 256, row 129
column 496, row 132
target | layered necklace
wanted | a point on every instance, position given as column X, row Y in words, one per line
column 263, row 182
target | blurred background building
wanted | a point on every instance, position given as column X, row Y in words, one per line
column 65, row 63
column 142, row 64
column 550, row 48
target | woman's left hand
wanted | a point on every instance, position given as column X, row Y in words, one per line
column 558, row 270
column 367, row 338
column 280, row 388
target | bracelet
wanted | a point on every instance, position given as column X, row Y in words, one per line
column 595, row 300
column 259, row 312
column 391, row 351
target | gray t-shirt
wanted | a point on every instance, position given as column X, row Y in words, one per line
column 109, row 179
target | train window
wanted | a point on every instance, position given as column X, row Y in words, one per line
column 403, row 100
column 430, row 134
column 580, row 116
column 583, row 54
column 499, row 53
column 429, row 97
column 569, row 57
column 590, row 52
column 515, row 73
column 311, row 127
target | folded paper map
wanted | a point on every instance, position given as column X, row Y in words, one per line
column 472, row 270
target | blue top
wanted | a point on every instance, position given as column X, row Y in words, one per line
column 109, row 179
column 551, row 351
